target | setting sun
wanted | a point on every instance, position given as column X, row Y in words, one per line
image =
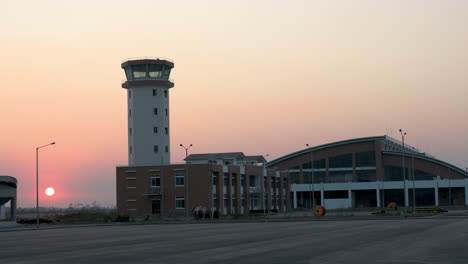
column 50, row 191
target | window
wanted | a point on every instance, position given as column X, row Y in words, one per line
column 167, row 112
column 130, row 150
column 155, row 149
column 215, row 178
column 234, row 179
column 165, row 93
column 167, row 149
column 155, row 92
column 155, row 181
column 166, row 130
column 129, row 112
column 365, row 159
column 179, row 180
column 130, row 131
column 155, row 130
column 318, row 164
column 242, row 180
column 139, row 71
column 155, row 111
column 341, row 161
column 226, row 180
column 366, row 175
column 180, row 202
column 252, row 180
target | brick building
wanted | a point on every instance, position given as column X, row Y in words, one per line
column 232, row 183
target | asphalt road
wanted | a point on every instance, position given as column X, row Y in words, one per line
column 352, row 241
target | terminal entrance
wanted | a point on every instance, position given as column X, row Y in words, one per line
column 156, row 206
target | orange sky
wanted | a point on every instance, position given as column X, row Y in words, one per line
column 262, row 77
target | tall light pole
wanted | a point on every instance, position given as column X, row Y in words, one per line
column 403, row 134
column 37, row 181
column 186, row 178
column 312, row 169
column 265, row 185
column 414, row 189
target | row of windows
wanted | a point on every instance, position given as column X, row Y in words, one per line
column 253, row 182
column 155, row 111
column 155, row 130
column 155, row 180
column 155, row 93
column 155, row 149
column 363, row 159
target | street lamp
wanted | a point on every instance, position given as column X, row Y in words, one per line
column 37, row 181
column 265, row 185
column 186, row 178
column 312, row 169
column 403, row 134
column 186, row 151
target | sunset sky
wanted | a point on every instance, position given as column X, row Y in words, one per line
column 261, row 77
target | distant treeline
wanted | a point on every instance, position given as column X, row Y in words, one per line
column 95, row 207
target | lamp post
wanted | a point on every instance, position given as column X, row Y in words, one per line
column 403, row 134
column 414, row 189
column 186, row 178
column 37, row 181
column 265, row 185
column 312, row 169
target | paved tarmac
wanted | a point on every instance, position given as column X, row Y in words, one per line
column 430, row 240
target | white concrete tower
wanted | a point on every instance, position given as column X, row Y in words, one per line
column 147, row 87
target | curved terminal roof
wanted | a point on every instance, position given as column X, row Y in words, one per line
column 330, row 145
column 386, row 139
column 427, row 158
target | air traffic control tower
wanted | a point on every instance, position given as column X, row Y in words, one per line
column 147, row 87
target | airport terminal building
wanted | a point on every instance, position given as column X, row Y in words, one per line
column 371, row 172
column 231, row 183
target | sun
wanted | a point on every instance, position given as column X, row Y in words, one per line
column 50, row 191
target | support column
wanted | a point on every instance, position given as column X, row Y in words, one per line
column 436, row 192
column 13, row 209
column 322, row 195
column 350, row 197
column 466, row 191
column 295, row 199
column 406, row 194
column 377, row 193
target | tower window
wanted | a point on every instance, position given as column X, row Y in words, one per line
column 155, row 92
column 155, row 149
column 155, row 130
column 165, row 93
column 167, row 148
column 130, row 131
column 167, row 130
column 167, row 112
column 130, row 150
column 155, row 111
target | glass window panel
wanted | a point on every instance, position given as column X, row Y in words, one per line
column 365, row 159
column 366, row 176
column 139, row 71
column 341, row 161
column 340, row 176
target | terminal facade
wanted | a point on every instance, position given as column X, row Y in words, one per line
column 368, row 172
column 231, row 183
